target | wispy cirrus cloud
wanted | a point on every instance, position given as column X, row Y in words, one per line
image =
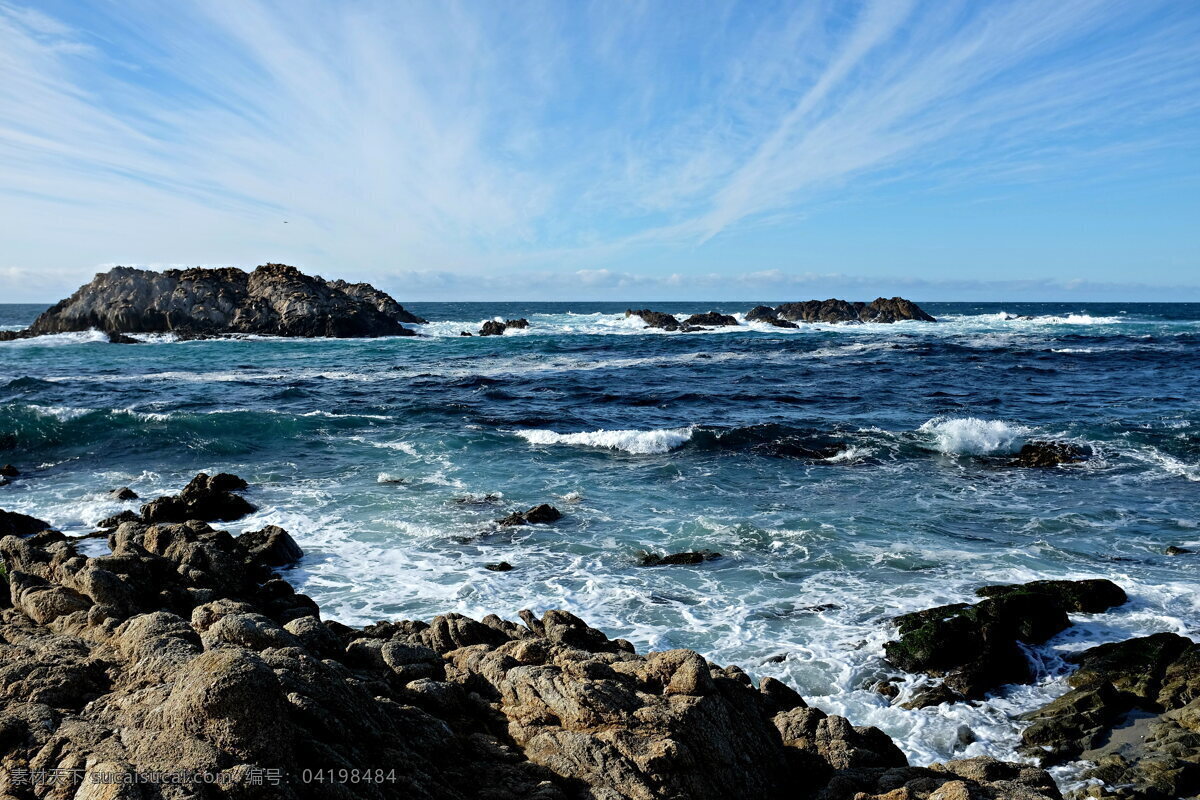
column 574, row 140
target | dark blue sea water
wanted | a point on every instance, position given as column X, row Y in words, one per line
column 388, row 460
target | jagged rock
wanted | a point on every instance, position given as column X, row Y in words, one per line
column 14, row 524
column 1175, row 550
column 124, row 493
column 1048, row 454
column 517, row 323
column 710, row 318
column 881, row 309
column 492, row 328
column 544, row 513
column 655, row 319
column 465, row 333
column 274, row 299
column 975, row 647
column 204, row 498
column 500, row 566
column 272, row 546
column 697, row 557
column 382, row 301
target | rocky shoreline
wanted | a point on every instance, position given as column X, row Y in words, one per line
column 185, row 649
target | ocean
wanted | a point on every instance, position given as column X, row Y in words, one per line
column 845, row 473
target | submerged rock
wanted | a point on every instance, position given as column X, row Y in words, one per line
column 9, row 471
column 274, row 299
column 499, row 566
column 976, row 648
column 123, row 493
column 182, row 651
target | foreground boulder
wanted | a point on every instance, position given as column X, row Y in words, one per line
column 976, row 649
column 183, row 652
column 897, row 309
column 274, row 299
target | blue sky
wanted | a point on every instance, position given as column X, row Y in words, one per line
column 611, row 150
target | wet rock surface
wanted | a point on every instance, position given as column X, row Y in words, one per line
column 976, row 648
column 1048, row 454
column 710, row 319
column 497, row 328
column 183, row 651
column 274, row 299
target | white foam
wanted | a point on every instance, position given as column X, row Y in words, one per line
column 974, row 437
column 638, row 442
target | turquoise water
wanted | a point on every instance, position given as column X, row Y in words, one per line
column 389, row 459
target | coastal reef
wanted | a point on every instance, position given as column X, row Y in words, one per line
column 273, row 300
column 184, row 650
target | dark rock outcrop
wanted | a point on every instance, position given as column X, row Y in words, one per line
column 182, row 652
column 710, row 319
column 123, row 493
column 686, row 558
column 274, row 299
column 205, row 498
column 655, row 319
column 975, row 648
column 9, row 471
column 14, row 524
column 496, row 328
column 897, row 309
column 541, row 514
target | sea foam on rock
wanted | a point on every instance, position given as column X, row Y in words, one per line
column 274, row 299
column 183, row 652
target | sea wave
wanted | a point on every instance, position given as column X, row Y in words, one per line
column 971, row 436
column 636, row 442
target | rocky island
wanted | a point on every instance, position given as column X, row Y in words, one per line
column 272, row 300
column 882, row 309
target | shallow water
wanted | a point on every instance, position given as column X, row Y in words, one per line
column 389, row 459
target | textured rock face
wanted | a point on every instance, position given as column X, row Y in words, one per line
column 274, row 299
column 183, row 651
column 897, row 309
column 710, row 318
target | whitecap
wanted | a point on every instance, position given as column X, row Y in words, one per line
column 974, row 437
column 637, row 442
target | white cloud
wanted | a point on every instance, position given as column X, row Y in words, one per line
column 480, row 138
